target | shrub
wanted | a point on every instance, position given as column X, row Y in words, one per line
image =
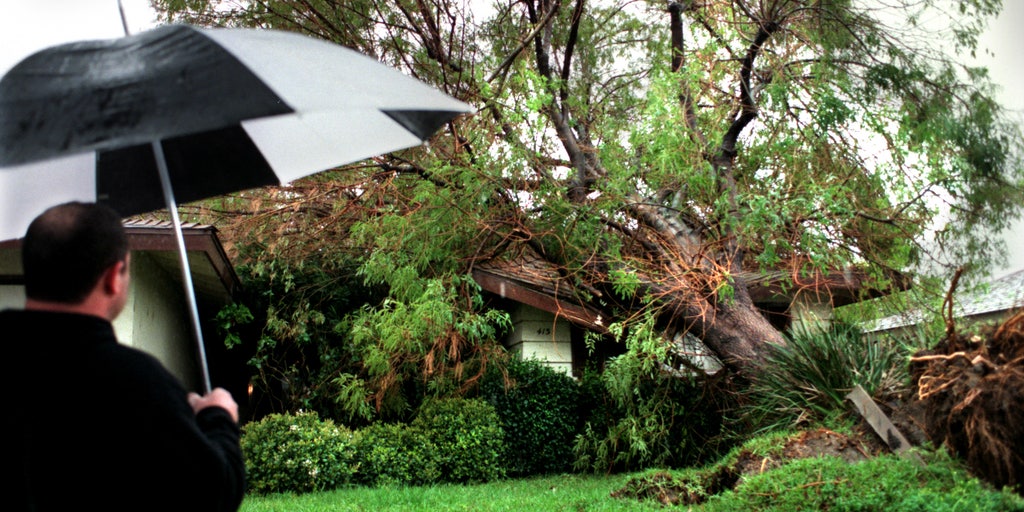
column 540, row 416
column 397, row 454
column 640, row 419
column 468, row 437
column 297, row 453
column 808, row 379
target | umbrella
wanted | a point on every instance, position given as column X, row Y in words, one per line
column 180, row 113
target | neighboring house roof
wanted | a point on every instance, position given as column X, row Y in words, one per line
column 213, row 276
column 1003, row 294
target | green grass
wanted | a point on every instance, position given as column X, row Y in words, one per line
column 576, row 493
column 887, row 482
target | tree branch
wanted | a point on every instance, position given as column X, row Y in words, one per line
column 511, row 57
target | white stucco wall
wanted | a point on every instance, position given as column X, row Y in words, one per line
column 538, row 335
column 11, row 296
column 155, row 320
column 810, row 313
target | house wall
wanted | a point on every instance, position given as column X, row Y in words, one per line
column 155, row 320
column 11, row 296
column 539, row 335
column 810, row 313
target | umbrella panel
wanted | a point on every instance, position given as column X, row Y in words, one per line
column 200, row 165
column 99, row 95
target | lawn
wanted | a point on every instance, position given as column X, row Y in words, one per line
column 887, row 482
column 554, row 493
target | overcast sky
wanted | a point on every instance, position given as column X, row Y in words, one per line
column 29, row 25
column 1006, row 40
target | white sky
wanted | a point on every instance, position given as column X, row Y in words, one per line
column 30, row 25
column 1005, row 39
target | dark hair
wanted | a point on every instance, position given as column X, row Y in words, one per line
column 68, row 247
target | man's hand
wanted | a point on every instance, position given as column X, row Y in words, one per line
column 219, row 397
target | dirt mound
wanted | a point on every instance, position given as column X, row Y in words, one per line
column 670, row 490
column 971, row 392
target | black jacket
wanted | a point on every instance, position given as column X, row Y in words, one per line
column 90, row 424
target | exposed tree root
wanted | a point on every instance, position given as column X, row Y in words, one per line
column 972, row 393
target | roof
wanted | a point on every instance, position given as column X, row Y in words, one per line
column 213, row 276
column 1003, row 294
column 840, row 288
column 527, row 278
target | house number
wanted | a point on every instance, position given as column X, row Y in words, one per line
column 544, row 331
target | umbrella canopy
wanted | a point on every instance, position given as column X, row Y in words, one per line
column 233, row 108
column 180, row 113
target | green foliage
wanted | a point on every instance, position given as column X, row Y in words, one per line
column 323, row 339
column 229, row 318
column 397, row 454
column 284, row 321
column 450, row 441
column 764, row 474
column 886, row 483
column 468, row 437
column 433, row 339
column 540, row 415
column 297, row 453
column 808, row 379
column 643, row 414
column 639, row 163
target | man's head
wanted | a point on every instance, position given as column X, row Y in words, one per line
column 69, row 248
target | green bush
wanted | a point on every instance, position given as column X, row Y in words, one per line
column 540, row 416
column 638, row 419
column 468, row 437
column 808, row 379
column 297, row 453
column 397, row 454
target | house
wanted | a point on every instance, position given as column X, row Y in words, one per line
column 551, row 324
column 156, row 318
column 990, row 304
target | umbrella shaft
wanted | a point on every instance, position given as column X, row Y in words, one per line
column 186, row 273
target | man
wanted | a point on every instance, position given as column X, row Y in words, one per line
column 92, row 424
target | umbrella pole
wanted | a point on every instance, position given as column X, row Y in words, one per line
column 186, row 274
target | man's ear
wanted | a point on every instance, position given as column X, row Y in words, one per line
column 115, row 278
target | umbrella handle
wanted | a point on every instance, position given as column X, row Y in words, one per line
column 186, row 274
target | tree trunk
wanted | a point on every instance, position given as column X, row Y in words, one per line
column 737, row 332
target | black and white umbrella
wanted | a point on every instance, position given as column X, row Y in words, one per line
column 180, row 113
